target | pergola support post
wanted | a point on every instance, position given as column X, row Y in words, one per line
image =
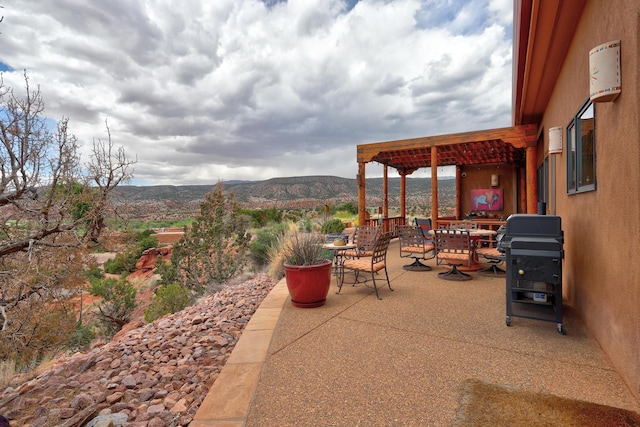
column 403, row 197
column 434, row 186
column 532, row 181
column 385, row 193
column 362, row 194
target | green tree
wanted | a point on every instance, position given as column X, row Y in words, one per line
column 117, row 304
column 214, row 249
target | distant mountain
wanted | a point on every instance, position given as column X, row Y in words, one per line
column 291, row 192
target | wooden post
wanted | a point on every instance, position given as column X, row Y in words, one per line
column 403, row 198
column 385, row 191
column 458, row 192
column 522, row 191
column 532, row 181
column 434, row 186
column 362, row 194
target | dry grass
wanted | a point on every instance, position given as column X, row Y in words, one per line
column 485, row 404
column 7, row 371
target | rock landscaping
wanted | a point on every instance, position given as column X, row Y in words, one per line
column 151, row 375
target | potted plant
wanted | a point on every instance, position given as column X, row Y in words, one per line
column 307, row 272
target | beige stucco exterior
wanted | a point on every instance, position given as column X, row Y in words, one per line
column 601, row 270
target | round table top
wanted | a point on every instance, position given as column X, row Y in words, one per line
column 333, row 247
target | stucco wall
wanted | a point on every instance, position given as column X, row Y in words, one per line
column 479, row 177
column 601, row 274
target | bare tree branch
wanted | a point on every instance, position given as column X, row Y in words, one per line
column 51, row 207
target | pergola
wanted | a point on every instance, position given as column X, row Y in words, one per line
column 512, row 145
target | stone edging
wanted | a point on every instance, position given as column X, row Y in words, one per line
column 230, row 396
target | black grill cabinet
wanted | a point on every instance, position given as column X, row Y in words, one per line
column 533, row 248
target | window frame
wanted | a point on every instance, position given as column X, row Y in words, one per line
column 577, row 151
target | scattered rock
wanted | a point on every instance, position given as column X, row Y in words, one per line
column 152, row 375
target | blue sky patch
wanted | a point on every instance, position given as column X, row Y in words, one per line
column 350, row 3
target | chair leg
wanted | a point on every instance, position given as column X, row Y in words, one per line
column 417, row 266
column 340, row 280
column 387, row 276
column 373, row 277
column 493, row 271
column 454, row 274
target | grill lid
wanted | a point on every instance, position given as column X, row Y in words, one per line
column 534, row 225
column 530, row 226
column 536, row 243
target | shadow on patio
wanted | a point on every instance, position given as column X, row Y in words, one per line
column 399, row 361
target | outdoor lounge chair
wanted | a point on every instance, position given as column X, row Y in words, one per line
column 454, row 248
column 369, row 265
column 413, row 245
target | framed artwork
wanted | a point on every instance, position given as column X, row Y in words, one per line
column 489, row 199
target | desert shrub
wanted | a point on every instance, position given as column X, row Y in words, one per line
column 170, row 298
column 118, row 302
column 49, row 327
column 349, row 208
column 125, row 262
column 332, row 226
column 214, row 249
column 81, row 338
column 306, row 225
column 119, row 264
column 263, row 217
column 94, row 272
column 265, row 239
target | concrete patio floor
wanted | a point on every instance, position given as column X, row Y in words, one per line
column 399, row 361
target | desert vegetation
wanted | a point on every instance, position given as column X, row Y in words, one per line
column 53, row 209
column 58, row 213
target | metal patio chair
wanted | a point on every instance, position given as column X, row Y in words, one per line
column 372, row 265
column 487, row 254
column 424, row 225
column 413, row 245
column 364, row 238
column 454, row 248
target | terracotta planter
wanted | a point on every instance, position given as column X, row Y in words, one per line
column 308, row 284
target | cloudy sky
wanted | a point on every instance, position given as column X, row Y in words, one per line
column 207, row 90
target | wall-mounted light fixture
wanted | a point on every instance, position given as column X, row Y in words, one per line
column 495, row 180
column 555, row 140
column 604, row 72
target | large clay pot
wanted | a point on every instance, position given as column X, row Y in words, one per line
column 308, row 284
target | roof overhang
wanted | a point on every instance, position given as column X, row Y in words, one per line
column 542, row 34
column 503, row 145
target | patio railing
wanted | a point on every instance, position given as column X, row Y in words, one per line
column 387, row 224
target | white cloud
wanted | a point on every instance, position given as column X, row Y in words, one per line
column 248, row 89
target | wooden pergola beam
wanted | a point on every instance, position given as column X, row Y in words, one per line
column 518, row 136
column 408, row 155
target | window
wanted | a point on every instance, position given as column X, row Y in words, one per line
column 581, row 158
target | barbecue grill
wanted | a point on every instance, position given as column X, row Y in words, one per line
column 533, row 248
